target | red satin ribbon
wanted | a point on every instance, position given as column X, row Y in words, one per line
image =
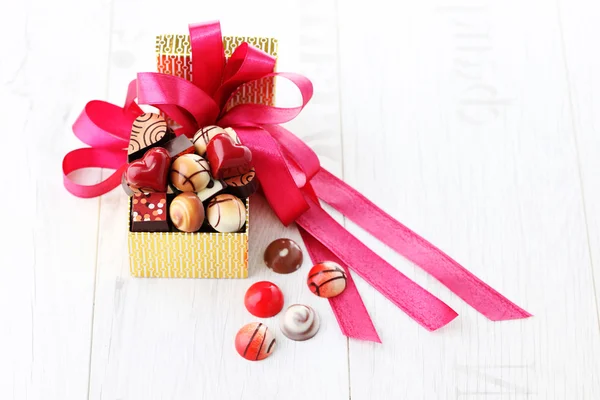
column 287, row 169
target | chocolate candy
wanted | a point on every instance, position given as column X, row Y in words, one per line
column 213, row 188
column 149, row 212
column 179, row 146
column 226, row 213
column 326, row 279
column 226, row 158
column 254, row 341
column 190, row 173
column 148, row 130
column 187, row 212
column 150, row 173
column 299, row 322
column 283, row 256
column 263, row 299
column 204, row 136
column 242, row 185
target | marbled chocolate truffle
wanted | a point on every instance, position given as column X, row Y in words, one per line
column 226, row 213
column 190, row 173
column 299, row 322
column 283, row 256
column 326, row 279
column 187, row 212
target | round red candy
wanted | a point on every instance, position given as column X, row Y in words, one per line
column 263, row 299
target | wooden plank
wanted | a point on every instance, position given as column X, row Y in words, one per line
column 578, row 25
column 158, row 339
column 456, row 120
column 51, row 65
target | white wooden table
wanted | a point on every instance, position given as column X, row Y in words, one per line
column 476, row 123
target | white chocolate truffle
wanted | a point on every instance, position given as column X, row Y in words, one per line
column 299, row 322
column 226, row 213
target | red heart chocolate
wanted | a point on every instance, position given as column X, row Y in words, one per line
column 149, row 174
column 226, row 158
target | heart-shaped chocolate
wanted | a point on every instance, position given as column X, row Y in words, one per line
column 226, row 158
column 149, row 174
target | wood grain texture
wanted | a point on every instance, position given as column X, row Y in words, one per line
column 578, row 25
column 155, row 339
column 463, row 131
column 48, row 263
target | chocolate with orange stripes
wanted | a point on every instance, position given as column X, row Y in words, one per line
column 254, row 341
column 226, row 213
column 326, row 279
column 148, row 130
column 242, row 185
column 190, row 173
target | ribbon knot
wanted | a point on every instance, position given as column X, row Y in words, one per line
column 291, row 178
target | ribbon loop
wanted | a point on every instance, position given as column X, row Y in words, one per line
column 163, row 90
column 246, row 64
column 260, row 114
column 93, row 158
column 208, row 56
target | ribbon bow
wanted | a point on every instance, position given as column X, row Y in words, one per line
column 290, row 176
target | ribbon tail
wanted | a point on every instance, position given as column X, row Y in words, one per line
column 404, row 241
column 426, row 309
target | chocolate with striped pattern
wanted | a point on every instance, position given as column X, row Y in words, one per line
column 242, row 185
column 326, row 279
column 148, row 130
column 226, row 213
column 190, row 173
column 254, row 341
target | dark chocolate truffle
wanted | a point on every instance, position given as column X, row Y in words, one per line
column 283, row 256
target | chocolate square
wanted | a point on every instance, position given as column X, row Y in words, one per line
column 149, row 212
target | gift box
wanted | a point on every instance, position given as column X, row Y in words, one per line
column 195, row 87
column 202, row 254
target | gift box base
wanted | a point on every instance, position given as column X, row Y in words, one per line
column 189, row 255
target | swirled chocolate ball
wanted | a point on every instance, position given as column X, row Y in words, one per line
column 299, row 322
column 190, row 173
column 187, row 212
column 226, row 213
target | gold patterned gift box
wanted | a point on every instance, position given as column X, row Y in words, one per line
column 198, row 255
